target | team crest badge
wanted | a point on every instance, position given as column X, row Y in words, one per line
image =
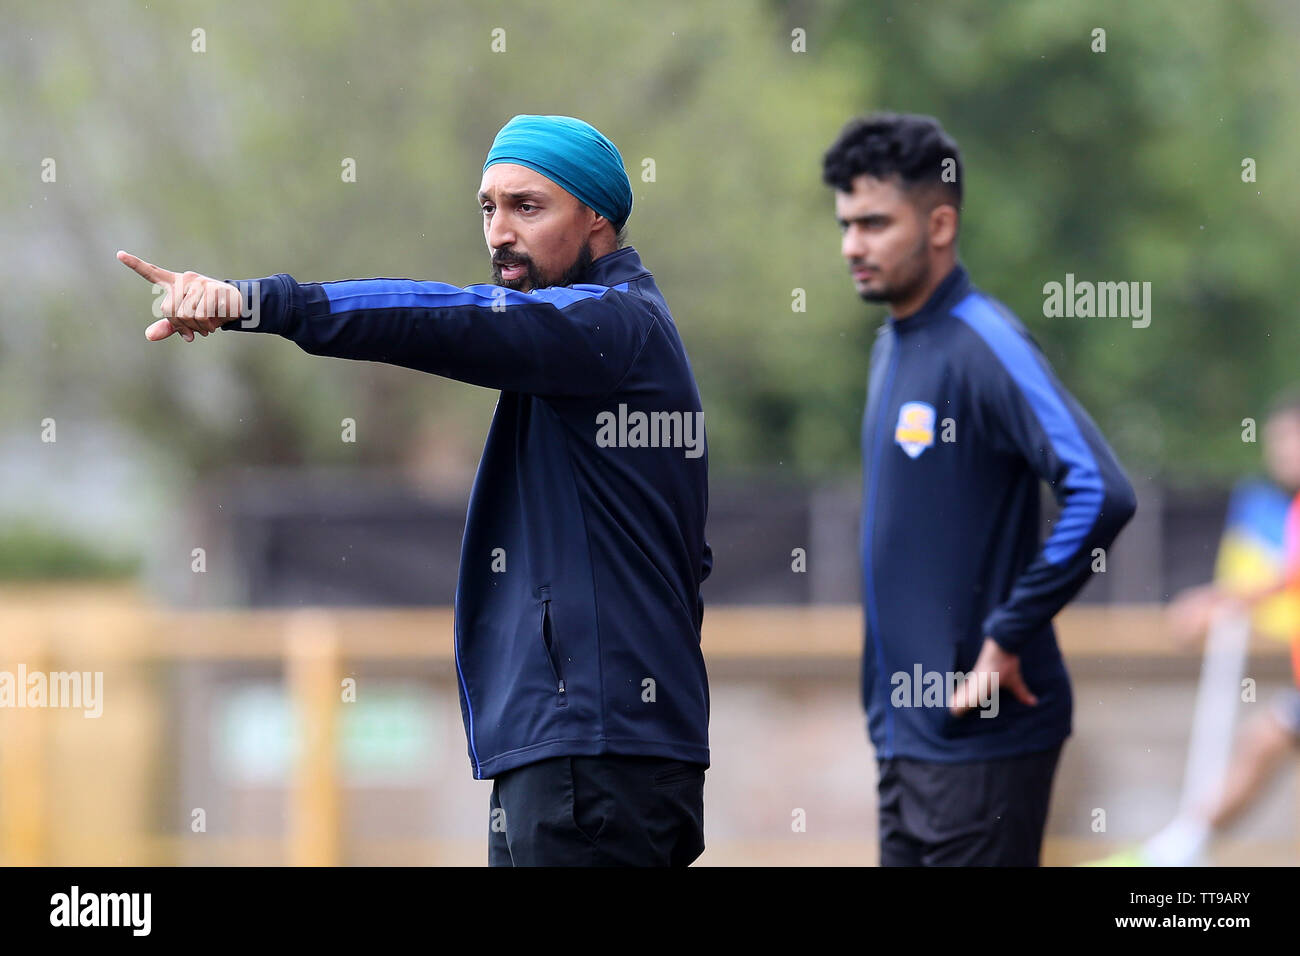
column 915, row 431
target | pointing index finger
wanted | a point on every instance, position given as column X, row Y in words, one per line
column 146, row 269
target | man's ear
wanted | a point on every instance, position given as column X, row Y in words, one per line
column 596, row 223
column 943, row 225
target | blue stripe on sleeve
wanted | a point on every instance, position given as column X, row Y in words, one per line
column 351, row 295
column 1083, row 478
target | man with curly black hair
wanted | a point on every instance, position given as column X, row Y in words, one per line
column 964, row 418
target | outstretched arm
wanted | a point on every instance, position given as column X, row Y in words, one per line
column 561, row 341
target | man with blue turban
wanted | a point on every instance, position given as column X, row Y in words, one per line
column 575, row 198
column 578, row 609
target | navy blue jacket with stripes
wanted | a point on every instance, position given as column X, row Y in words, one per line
column 578, row 607
column 964, row 420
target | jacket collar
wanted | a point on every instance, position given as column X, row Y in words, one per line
column 954, row 287
column 615, row 268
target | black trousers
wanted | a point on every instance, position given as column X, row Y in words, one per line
column 610, row 810
column 987, row 813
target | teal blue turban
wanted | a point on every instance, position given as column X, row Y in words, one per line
column 572, row 154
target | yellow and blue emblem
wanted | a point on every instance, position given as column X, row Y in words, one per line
column 915, row 430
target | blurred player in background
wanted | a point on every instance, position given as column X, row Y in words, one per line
column 964, row 420
column 1256, row 575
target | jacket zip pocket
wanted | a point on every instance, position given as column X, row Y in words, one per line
column 551, row 646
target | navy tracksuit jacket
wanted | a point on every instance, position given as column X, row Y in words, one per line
column 964, row 418
column 578, row 607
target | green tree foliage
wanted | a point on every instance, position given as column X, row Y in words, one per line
column 1122, row 165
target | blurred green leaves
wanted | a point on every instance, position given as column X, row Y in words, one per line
column 33, row 552
column 1117, row 166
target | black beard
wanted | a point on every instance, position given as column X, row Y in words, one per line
column 579, row 268
column 900, row 293
column 533, row 279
